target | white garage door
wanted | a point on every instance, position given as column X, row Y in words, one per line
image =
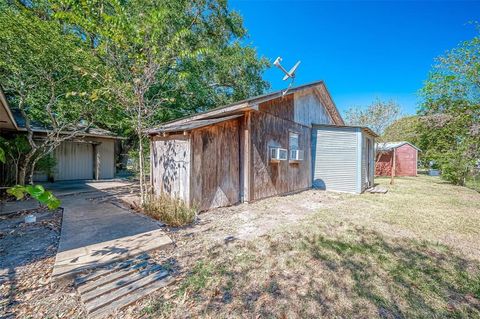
column 74, row 161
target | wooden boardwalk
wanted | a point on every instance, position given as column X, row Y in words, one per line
column 107, row 290
column 377, row 190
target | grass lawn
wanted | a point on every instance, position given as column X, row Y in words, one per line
column 413, row 252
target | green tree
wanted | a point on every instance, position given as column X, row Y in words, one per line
column 43, row 70
column 166, row 58
column 403, row 129
column 450, row 122
column 15, row 150
column 377, row 116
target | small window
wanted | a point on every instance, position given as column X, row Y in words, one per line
column 296, row 154
column 293, row 144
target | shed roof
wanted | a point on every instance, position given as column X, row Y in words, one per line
column 15, row 121
column 388, row 146
column 195, row 124
column 363, row 128
column 248, row 104
column 6, row 117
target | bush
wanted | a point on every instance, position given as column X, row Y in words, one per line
column 171, row 211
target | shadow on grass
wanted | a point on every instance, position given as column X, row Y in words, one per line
column 402, row 278
column 355, row 273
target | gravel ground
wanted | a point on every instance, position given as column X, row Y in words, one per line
column 27, row 255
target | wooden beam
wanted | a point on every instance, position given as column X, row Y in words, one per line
column 394, row 165
column 96, row 162
column 246, row 158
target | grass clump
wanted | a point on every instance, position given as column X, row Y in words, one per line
column 171, row 211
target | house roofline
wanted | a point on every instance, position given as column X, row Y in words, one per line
column 6, row 106
column 4, row 102
column 248, row 104
column 36, row 130
column 399, row 144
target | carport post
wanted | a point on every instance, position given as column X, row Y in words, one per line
column 96, row 162
column 394, row 165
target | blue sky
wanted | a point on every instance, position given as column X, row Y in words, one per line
column 363, row 50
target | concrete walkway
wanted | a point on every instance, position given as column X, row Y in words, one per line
column 65, row 188
column 95, row 232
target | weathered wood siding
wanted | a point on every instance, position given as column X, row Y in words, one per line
column 282, row 107
column 215, row 175
column 170, row 160
column 309, row 110
column 277, row 178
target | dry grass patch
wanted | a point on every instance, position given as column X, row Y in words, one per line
column 412, row 253
column 307, row 273
column 171, row 211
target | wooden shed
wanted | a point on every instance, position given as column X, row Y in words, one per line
column 396, row 158
column 252, row 149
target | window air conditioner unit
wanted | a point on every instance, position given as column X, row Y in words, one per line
column 296, row 155
column 278, row 154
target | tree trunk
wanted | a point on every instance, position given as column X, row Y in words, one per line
column 32, row 170
column 140, row 164
column 24, row 167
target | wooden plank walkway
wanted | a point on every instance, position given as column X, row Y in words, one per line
column 377, row 190
column 108, row 290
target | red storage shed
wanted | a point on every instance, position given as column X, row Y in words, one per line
column 402, row 155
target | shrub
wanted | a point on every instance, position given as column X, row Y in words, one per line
column 171, row 211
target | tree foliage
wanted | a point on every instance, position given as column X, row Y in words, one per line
column 122, row 65
column 450, row 113
column 165, row 59
column 403, row 129
column 41, row 72
column 376, row 116
column 35, row 191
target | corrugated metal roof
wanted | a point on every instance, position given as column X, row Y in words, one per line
column 188, row 126
column 363, row 128
column 388, row 146
column 240, row 106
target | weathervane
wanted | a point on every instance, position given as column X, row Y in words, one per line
column 288, row 74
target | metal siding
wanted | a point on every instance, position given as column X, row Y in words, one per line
column 107, row 160
column 364, row 162
column 335, row 159
column 74, row 161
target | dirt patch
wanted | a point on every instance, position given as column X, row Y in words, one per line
column 27, row 254
column 248, row 221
